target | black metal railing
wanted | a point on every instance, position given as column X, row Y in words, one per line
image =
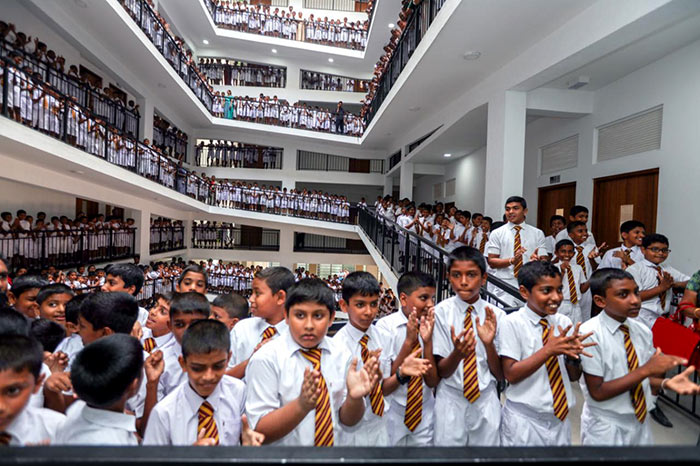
column 394, row 160
column 307, row 160
column 167, row 238
column 235, row 237
column 238, row 155
column 218, row 283
column 64, row 248
column 338, row 5
column 308, row 242
column 171, row 141
column 221, row 72
column 317, row 81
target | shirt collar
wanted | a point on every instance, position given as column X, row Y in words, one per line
column 15, row 429
column 357, row 334
column 648, row 263
column 279, row 326
column 534, row 317
column 195, row 400
column 163, row 340
column 291, row 346
column 610, row 324
column 111, row 419
column 400, row 318
column 463, row 305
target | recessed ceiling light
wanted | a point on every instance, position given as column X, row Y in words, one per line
column 473, row 55
column 274, row 50
column 330, row 60
column 392, row 25
column 205, row 42
column 448, row 155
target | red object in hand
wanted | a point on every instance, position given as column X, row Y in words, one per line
column 675, row 339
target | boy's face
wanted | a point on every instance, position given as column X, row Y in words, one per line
column 180, row 322
column 193, row 281
column 656, row 253
column 545, row 297
column 15, row 390
column 114, row 283
column 263, row 303
column 72, row 276
column 579, row 234
column 565, row 253
column 26, row 302
column 220, row 314
column 158, row 318
column 634, row 236
column 556, row 226
column 88, row 333
column 205, row 370
column 308, row 323
column 515, row 213
column 621, row 299
column 4, row 273
column 476, row 220
column 361, row 310
column 54, row 308
column 485, row 225
column 579, row 217
column 466, row 280
column 421, row 299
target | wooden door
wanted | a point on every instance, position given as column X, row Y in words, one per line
column 554, row 200
column 616, row 199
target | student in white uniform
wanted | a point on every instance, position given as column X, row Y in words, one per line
column 156, row 333
column 629, row 252
column 624, row 366
column 128, row 278
column 586, row 256
column 577, row 213
column 557, row 223
column 574, row 285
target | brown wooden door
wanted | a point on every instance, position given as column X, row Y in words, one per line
column 554, row 200
column 616, row 199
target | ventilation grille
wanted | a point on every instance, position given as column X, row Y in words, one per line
column 632, row 135
column 437, row 191
column 450, row 186
column 339, row 5
column 559, row 155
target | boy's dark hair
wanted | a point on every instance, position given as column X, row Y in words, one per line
column 467, row 214
column 411, row 281
column 310, row 290
column 467, row 253
column 166, row 296
column 235, row 305
column 13, row 322
column 601, row 280
column 103, row 371
column 577, row 209
column 48, row 333
column 477, row 214
column 47, row 291
column 205, row 336
column 534, row 271
column 194, row 269
column 25, row 283
column 130, row 274
column 362, row 283
column 564, row 242
column 73, row 308
column 520, row 200
column 488, row 219
column 497, row 225
column 19, row 353
column 557, row 217
column 189, row 303
column 654, row 238
column 276, row 278
column 571, row 225
column 630, row 225
column 118, row 311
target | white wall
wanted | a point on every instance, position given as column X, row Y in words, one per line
column 673, row 81
column 15, row 196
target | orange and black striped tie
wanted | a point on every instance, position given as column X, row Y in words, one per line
column 376, row 397
column 482, row 244
column 323, row 432
column 470, row 376
column 573, row 295
column 662, row 296
column 580, row 260
column 207, row 422
column 637, row 393
column 268, row 333
column 517, row 244
column 148, row 344
column 561, row 407
column 414, row 399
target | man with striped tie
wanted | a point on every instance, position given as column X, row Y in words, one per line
column 540, row 350
column 624, row 367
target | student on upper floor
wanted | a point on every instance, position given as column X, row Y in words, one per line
column 629, row 252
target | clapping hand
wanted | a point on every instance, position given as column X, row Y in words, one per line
column 487, row 330
column 427, row 324
column 681, row 383
column 464, row 343
column 249, row 437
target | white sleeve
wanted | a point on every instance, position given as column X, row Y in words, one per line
column 442, row 340
column 261, row 390
column 508, row 339
column 157, row 431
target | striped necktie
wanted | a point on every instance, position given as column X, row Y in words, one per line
column 375, row 396
column 207, row 422
column 414, row 399
column 482, row 244
column 637, row 393
column 517, row 244
column 470, row 376
column 561, row 407
column 573, row 295
column 662, row 296
column 580, row 260
column 323, row 431
column 268, row 333
column 148, row 344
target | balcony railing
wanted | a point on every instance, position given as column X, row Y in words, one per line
column 238, row 155
column 167, row 238
column 316, row 81
column 230, row 237
column 307, row 242
column 170, row 139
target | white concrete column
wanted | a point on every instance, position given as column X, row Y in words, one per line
column 188, row 233
column 146, row 122
column 505, row 150
column 143, row 237
column 191, row 143
column 388, row 186
column 406, row 181
column 285, row 255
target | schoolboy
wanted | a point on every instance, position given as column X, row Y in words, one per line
column 574, row 284
column 411, row 332
column 303, row 386
column 20, row 368
column 208, row 409
column 72, row 343
column 23, row 294
column 230, row 309
column 577, row 213
column 624, row 367
column 192, row 278
column 540, row 356
column 48, row 333
column 105, row 374
column 128, row 278
column 586, row 256
column 557, row 223
column 157, row 334
column 267, row 300
column 630, row 251
column 52, row 301
column 482, row 235
column 466, row 354
column 513, row 245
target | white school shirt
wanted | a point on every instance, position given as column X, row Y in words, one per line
column 501, row 243
column 143, row 316
column 89, row 426
column 274, row 377
column 36, row 400
column 579, row 278
column 162, row 342
column 451, row 312
column 247, row 334
column 609, row 359
column 34, row 425
column 615, row 262
column 550, row 244
column 70, row 346
column 175, row 419
column 520, row 337
column 172, row 375
column 565, row 235
column 647, row 277
column 587, row 248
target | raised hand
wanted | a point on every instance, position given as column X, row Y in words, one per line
column 565, row 265
column 154, row 365
column 413, row 365
column 581, row 338
column 57, row 361
column 136, row 330
column 567, row 345
column 427, row 324
column 202, row 441
column 681, row 383
column 58, row 382
column 310, row 389
column 464, row 343
column 666, row 279
column 660, row 363
column 412, row 326
column 359, row 382
column 534, row 256
column 249, row 437
column 487, row 331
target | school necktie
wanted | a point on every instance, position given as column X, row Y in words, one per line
column 268, row 333
column 414, row 399
column 148, row 344
column 207, row 422
column 561, row 407
column 470, row 376
column 637, row 393
column 573, row 296
column 323, row 431
column 5, row 438
column 482, row 244
column 580, row 260
column 376, row 397
column 517, row 244
column 662, row 296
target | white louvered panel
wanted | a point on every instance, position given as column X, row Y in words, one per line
column 632, row 135
column 450, row 186
column 559, row 155
column 437, row 191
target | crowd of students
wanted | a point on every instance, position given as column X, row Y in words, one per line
column 328, row 82
column 227, row 72
column 237, row 154
column 169, row 139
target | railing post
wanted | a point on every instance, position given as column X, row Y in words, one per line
column 5, row 86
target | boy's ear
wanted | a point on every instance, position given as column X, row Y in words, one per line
column 11, row 298
column 331, row 320
column 234, row 321
column 281, row 297
column 134, row 387
column 599, row 301
column 107, row 331
column 403, row 299
column 131, row 289
column 524, row 293
column 343, row 305
column 181, row 360
column 484, row 278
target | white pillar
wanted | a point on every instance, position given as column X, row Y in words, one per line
column 143, row 237
column 146, row 124
column 505, row 150
column 286, row 248
column 388, row 186
column 406, row 181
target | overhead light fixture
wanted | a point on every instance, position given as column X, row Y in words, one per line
column 392, row 25
column 330, row 60
column 448, row 155
column 205, row 42
column 472, row 55
column 578, row 83
column 274, row 50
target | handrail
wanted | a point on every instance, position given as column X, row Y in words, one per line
column 166, row 239
column 233, row 237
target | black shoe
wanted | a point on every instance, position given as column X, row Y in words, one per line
column 660, row 417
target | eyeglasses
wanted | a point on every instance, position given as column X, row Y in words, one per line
column 660, row 250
